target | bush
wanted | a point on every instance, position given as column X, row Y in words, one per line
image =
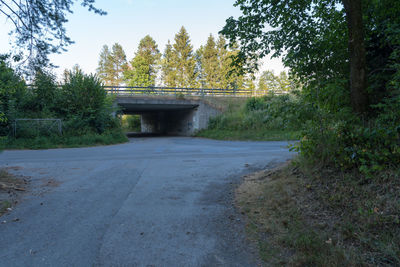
column 84, row 104
column 347, row 142
column 12, row 94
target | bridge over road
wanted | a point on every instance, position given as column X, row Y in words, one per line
column 171, row 111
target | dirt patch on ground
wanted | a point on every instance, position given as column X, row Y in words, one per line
column 11, row 188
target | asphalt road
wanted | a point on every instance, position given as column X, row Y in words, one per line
column 163, row 201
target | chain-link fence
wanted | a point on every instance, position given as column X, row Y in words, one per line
column 36, row 127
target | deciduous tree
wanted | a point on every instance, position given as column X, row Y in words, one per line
column 312, row 38
column 39, row 26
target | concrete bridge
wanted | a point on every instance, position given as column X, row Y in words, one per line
column 171, row 111
column 163, row 115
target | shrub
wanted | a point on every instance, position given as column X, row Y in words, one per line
column 84, row 104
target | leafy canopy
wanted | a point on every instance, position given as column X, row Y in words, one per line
column 39, row 26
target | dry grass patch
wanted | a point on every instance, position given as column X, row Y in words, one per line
column 318, row 217
column 10, row 188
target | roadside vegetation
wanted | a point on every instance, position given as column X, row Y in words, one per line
column 268, row 118
column 81, row 104
column 302, row 215
column 337, row 203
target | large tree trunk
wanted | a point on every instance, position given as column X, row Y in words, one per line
column 358, row 64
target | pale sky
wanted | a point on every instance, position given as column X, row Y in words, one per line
column 128, row 21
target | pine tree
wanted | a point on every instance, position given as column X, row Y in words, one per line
column 184, row 60
column 210, row 65
column 144, row 66
column 111, row 64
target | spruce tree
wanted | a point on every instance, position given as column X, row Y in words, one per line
column 230, row 77
column 210, row 65
column 168, row 70
column 144, row 66
column 184, row 60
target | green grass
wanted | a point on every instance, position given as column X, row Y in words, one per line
column 91, row 139
column 253, row 135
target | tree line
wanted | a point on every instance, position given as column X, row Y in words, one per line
column 180, row 65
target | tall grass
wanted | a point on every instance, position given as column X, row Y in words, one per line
column 262, row 118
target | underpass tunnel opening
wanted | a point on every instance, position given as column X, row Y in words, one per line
column 131, row 123
column 166, row 116
column 178, row 122
column 171, row 122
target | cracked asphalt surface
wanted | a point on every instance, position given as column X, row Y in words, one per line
column 163, row 201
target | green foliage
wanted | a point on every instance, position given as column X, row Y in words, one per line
column 112, row 64
column 131, row 123
column 12, row 95
column 269, row 82
column 346, row 142
column 312, row 38
column 210, row 64
column 44, row 91
column 81, row 103
column 184, row 60
column 108, row 137
column 84, row 104
column 144, row 66
column 265, row 117
column 168, row 71
column 39, row 26
column 215, row 66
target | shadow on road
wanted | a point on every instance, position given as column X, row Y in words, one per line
column 136, row 134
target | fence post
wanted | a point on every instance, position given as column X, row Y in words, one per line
column 15, row 128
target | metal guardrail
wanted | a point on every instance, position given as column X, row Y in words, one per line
column 134, row 90
column 177, row 91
